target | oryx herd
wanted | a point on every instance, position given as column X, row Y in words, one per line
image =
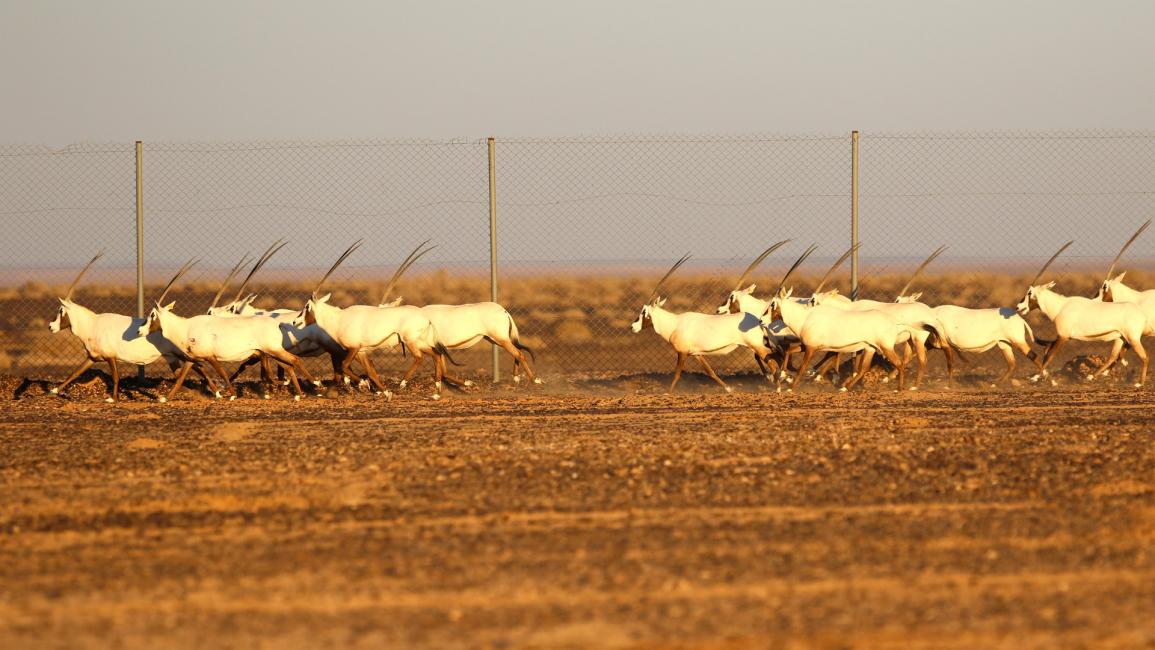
column 783, row 324
column 775, row 329
column 238, row 333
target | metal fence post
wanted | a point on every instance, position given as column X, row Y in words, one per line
column 854, row 215
column 139, row 241
column 493, row 248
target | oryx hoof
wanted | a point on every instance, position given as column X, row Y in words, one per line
column 1106, row 372
column 217, row 395
column 994, row 385
column 1035, row 378
column 886, row 380
column 538, row 381
column 285, row 383
column 317, row 383
column 266, row 396
column 783, row 375
column 1138, row 385
column 403, row 384
column 162, row 399
column 232, row 398
column 913, row 388
column 109, row 400
column 842, row 389
column 1054, row 382
column 517, row 379
column 296, row 398
column 364, row 383
column 347, row 380
column 435, row 396
column 437, row 386
column 55, row 391
column 467, row 383
column 778, row 389
column 728, row 389
column 1089, row 378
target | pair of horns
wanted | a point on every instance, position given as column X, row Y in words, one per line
column 758, row 260
column 658, row 286
column 179, row 274
column 408, row 262
column 72, row 287
column 1138, row 232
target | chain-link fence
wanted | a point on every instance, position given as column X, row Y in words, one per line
column 585, row 226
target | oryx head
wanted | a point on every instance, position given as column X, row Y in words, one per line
column 61, row 322
column 1107, row 290
column 645, row 316
column 738, row 294
column 774, row 310
column 827, row 297
column 308, row 314
column 1031, row 299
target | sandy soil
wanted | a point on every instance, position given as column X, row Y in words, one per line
column 595, row 513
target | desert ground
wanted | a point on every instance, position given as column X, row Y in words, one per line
column 593, row 511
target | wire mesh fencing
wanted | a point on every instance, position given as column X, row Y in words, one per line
column 585, row 226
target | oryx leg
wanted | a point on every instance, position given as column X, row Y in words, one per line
column 831, row 359
column 920, row 354
column 374, row 378
column 863, row 366
column 678, row 370
column 79, row 371
column 216, row 365
column 245, row 365
column 892, row 356
column 417, row 359
column 1116, row 348
column 290, row 362
column 807, row 354
column 115, row 379
column 1140, row 352
column 710, row 371
column 1009, row 355
column 347, row 361
column 1051, row 352
column 180, row 380
column 519, row 358
column 452, row 380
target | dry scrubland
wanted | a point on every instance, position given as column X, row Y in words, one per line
column 576, row 324
column 594, row 511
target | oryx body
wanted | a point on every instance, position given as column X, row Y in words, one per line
column 463, row 326
column 1085, row 319
column 1114, row 290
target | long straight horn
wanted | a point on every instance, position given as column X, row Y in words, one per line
column 798, row 262
column 180, row 273
column 404, row 266
column 658, row 286
column 1125, row 246
column 1048, row 264
column 228, row 279
column 276, row 246
column 834, row 267
column 72, row 287
column 920, row 269
column 344, row 256
column 758, row 260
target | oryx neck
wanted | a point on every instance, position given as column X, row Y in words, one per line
column 793, row 313
column 1122, row 293
column 1050, row 301
column 80, row 318
column 663, row 320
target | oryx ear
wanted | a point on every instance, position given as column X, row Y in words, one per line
column 789, row 292
column 833, row 292
column 170, row 305
column 1049, row 284
column 916, row 296
column 660, row 302
column 1119, row 278
column 750, row 289
column 63, row 302
column 325, row 298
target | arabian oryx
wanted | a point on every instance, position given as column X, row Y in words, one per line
column 111, row 338
column 695, row 335
column 919, row 317
column 831, row 329
column 308, row 341
column 361, row 329
column 217, row 339
column 1085, row 319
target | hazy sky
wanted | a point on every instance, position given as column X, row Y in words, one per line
column 211, row 71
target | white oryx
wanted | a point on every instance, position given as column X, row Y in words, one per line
column 361, row 329
column 693, row 334
column 463, row 326
column 1086, row 319
column 920, row 317
column 216, row 339
column 831, row 329
column 109, row 337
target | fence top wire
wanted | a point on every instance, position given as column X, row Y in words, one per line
column 672, row 139
column 1013, row 135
